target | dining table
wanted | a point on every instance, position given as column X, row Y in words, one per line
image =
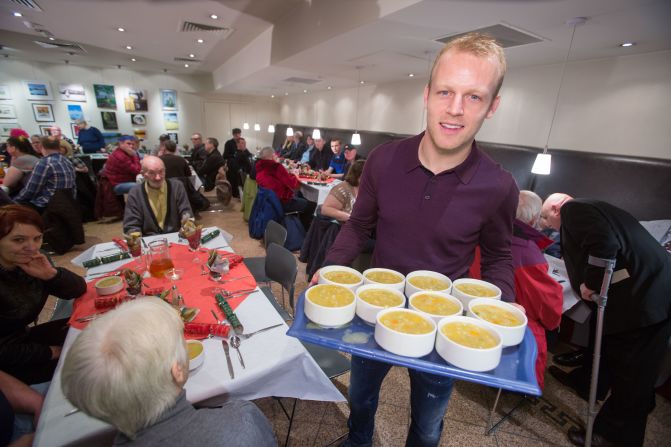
column 275, row 364
column 315, row 190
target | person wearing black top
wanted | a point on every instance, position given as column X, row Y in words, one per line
column 198, row 154
column 230, row 149
column 320, row 159
column 214, row 160
column 175, row 166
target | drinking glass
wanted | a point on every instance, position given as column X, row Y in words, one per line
column 159, row 255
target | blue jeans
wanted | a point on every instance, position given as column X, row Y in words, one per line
column 123, row 188
column 429, row 396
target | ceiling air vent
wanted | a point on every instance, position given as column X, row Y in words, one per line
column 27, row 4
column 188, row 27
column 186, row 59
column 62, row 46
column 506, row 35
column 297, row 80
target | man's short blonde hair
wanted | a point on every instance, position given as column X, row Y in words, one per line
column 477, row 44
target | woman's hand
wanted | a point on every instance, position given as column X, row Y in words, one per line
column 39, row 267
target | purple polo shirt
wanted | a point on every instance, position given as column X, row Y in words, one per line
column 432, row 222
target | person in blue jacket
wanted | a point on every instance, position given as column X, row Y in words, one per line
column 90, row 138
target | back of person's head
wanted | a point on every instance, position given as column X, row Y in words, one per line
column 529, row 208
column 236, row 131
column 22, row 144
column 122, row 367
column 267, row 153
column 51, row 143
column 214, row 142
column 65, row 148
column 170, row 146
column 11, row 215
column 163, row 138
column 354, row 174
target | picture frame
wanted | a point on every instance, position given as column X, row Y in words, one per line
column 170, row 121
column 38, row 90
column 43, row 112
column 75, row 130
column 168, row 99
column 173, row 137
column 75, row 111
column 140, row 134
column 105, row 96
column 138, row 119
column 136, row 101
column 5, row 128
column 45, row 130
column 7, row 111
column 109, row 120
column 72, row 92
column 5, row 92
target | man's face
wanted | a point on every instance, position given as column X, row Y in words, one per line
column 319, row 143
column 154, row 175
column 196, row 140
column 336, row 147
column 460, row 97
column 236, row 136
column 550, row 216
column 37, row 144
column 209, row 147
column 55, row 132
column 241, row 144
column 128, row 146
column 350, row 154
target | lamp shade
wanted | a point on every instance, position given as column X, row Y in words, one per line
column 257, row 127
column 316, row 134
column 356, row 139
column 271, row 128
column 290, row 131
column 542, row 164
column 245, row 125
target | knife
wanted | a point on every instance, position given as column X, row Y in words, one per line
column 224, row 343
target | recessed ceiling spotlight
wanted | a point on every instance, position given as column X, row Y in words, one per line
column 214, row 16
column 627, row 44
column 18, row 14
column 200, row 41
column 411, row 75
column 286, row 93
column 120, row 29
column 192, row 55
column 52, row 38
column 305, row 91
column 362, row 82
column 272, row 96
column 329, row 87
column 186, row 65
column 128, row 47
column 133, row 59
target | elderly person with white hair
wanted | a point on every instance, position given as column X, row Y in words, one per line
column 129, row 367
column 89, row 138
column 158, row 205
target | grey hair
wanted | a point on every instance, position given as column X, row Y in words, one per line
column 263, row 154
column 529, row 208
column 119, row 369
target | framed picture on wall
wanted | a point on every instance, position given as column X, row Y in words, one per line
column 43, row 112
column 72, row 92
column 5, row 128
column 136, row 101
column 4, row 92
column 109, row 120
column 170, row 120
column 140, row 134
column 45, row 130
column 168, row 99
column 174, row 137
column 75, row 111
column 138, row 119
column 105, row 96
column 38, row 90
column 7, row 111
column 75, row 130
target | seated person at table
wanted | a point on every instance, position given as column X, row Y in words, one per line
column 309, row 145
column 157, row 205
column 297, row 147
column 17, row 398
column 77, row 164
column 337, row 163
column 213, row 161
column 198, row 153
column 175, row 166
column 129, row 367
column 52, row 172
column 320, row 160
column 36, row 142
column 123, row 165
column 89, row 138
column 351, row 157
column 27, row 278
column 340, row 200
column 272, row 175
column 23, row 161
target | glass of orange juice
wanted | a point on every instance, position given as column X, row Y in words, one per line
column 159, row 255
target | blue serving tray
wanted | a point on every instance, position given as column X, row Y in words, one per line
column 516, row 372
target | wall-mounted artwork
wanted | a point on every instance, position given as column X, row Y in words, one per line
column 168, row 99
column 136, row 101
column 140, row 134
column 75, row 130
column 45, row 130
column 38, row 90
column 105, row 98
column 170, row 120
column 174, row 137
column 4, row 92
column 138, row 119
column 43, row 112
column 75, row 111
column 7, row 111
column 109, row 120
column 5, row 128
column 72, row 92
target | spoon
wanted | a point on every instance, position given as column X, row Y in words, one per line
column 235, row 342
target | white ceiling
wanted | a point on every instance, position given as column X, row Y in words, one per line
column 322, row 40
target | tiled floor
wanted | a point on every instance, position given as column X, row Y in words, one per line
column 542, row 422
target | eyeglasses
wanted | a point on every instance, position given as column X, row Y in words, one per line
column 155, row 173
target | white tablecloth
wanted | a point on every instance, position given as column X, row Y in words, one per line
column 316, row 193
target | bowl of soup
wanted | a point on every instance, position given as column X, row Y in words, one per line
column 372, row 298
column 329, row 305
column 436, row 305
column 109, row 285
column 195, row 352
column 405, row 332
column 509, row 321
column 468, row 343
column 384, row 277
column 426, row 280
column 341, row 276
column 467, row 289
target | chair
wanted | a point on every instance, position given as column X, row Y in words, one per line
column 63, row 222
column 257, row 265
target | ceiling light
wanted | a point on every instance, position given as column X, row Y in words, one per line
column 290, row 131
column 200, row 41
column 186, row 65
column 257, row 127
column 316, row 134
column 133, row 59
column 271, row 128
column 356, row 138
column 128, row 47
column 120, row 29
column 627, row 44
column 329, row 87
column 192, row 55
column 411, row 75
column 362, row 82
column 272, row 96
column 286, row 93
column 52, row 38
column 214, row 16
column 305, row 91
column 245, row 125
column 18, row 14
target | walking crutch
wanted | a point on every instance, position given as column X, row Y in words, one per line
column 600, row 299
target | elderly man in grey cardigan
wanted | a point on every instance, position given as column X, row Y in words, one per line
column 158, row 205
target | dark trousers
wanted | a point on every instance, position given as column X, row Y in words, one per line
column 631, row 362
column 303, row 207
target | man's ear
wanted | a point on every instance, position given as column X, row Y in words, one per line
column 179, row 374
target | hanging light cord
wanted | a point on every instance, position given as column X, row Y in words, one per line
column 561, row 83
column 358, row 86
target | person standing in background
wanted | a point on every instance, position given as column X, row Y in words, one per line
column 90, row 138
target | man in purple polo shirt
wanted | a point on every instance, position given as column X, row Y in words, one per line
column 432, row 199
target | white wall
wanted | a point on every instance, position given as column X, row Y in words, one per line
column 615, row 105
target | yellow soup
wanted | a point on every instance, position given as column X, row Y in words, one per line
column 497, row 315
column 194, row 350
column 381, row 297
column 428, row 283
column 435, row 305
column 476, row 290
column 331, row 296
column 342, row 277
column 111, row 281
column 470, row 335
column 384, row 277
column 406, row 322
